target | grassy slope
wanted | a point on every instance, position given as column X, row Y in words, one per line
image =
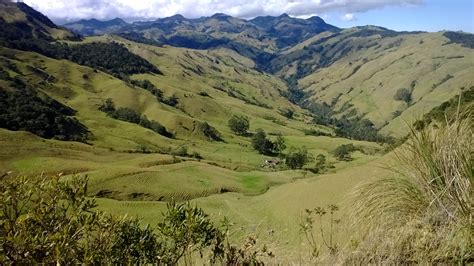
column 227, row 166
column 380, row 71
column 278, row 210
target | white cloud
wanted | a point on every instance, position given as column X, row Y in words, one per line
column 348, row 17
column 151, row 9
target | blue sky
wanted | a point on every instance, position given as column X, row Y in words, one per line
column 426, row 15
column 432, row 15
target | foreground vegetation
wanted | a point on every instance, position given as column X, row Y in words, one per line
column 44, row 220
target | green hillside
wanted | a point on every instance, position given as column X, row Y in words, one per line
column 143, row 111
column 360, row 71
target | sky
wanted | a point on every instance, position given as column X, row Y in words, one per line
column 425, row 15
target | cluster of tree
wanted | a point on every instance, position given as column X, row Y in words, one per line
column 264, row 145
column 315, row 132
column 22, row 108
column 343, row 152
column 464, row 39
column 288, row 113
column 355, row 127
column 360, row 129
column 239, row 124
column 44, row 220
column 321, row 164
column 209, row 131
column 131, row 116
column 113, row 58
column 110, row 57
column 147, row 85
column 173, row 100
column 296, row 158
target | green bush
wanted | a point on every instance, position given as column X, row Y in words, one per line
column 44, row 220
column 403, row 94
column 181, row 151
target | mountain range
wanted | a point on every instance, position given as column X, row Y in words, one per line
column 338, row 72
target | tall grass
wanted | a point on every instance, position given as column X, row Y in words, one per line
column 422, row 213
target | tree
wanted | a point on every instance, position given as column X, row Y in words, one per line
column 321, row 164
column 279, row 145
column 188, row 229
column 288, row 113
column 108, row 107
column 343, row 152
column 297, row 158
column 261, row 143
column 239, row 124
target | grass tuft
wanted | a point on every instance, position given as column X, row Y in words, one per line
column 422, row 213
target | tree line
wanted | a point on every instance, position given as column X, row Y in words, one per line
column 113, row 58
column 25, row 109
column 129, row 115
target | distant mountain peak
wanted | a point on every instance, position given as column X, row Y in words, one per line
column 316, row 19
column 220, row 16
column 177, row 16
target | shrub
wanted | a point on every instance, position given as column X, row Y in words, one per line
column 239, row 124
column 321, row 165
column 181, row 151
column 188, row 229
column 47, row 221
column 204, row 94
column 403, row 94
column 315, row 132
